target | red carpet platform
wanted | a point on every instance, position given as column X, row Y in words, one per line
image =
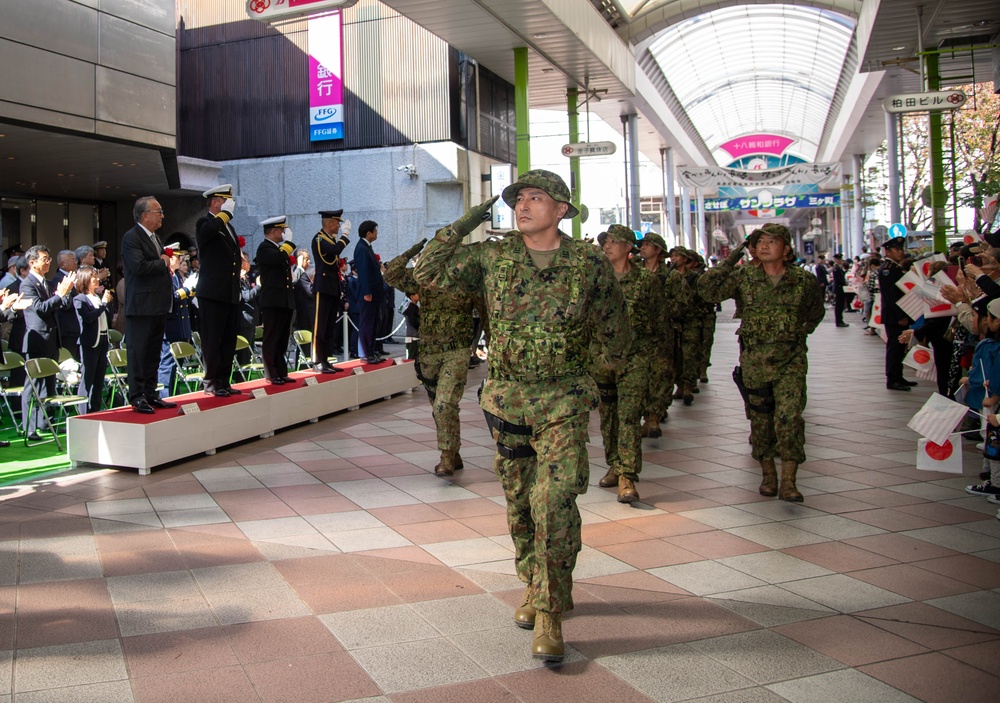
column 203, row 423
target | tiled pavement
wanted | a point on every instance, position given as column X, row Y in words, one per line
column 328, row 563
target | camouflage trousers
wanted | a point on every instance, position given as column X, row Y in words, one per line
column 782, row 434
column 690, row 352
column 542, row 516
column 707, row 340
column 661, row 377
column 444, row 376
column 620, row 421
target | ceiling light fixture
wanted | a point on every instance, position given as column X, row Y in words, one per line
column 898, row 48
column 541, row 35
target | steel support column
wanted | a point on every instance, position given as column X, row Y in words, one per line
column 522, row 116
column 939, row 196
column 575, row 183
column 635, row 218
column 892, row 145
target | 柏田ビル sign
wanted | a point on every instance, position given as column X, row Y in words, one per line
column 921, row 102
column 274, row 10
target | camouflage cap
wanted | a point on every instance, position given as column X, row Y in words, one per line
column 617, row 233
column 686, row 253
column 655, row 239
column 550, row 182
column 773, row 229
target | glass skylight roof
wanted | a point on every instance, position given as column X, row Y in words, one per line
column 756, row 69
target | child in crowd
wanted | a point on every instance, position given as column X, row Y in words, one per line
column 984, row 383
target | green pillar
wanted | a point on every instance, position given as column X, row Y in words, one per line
column 939, row 194
column 574, row 162
column 521, row 114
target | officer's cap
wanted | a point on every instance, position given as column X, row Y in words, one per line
column 99, row 245
column 617, row 233
column 274, row 222
column 550, row 182
column 895, row 243
column 773, row 229
column 332, row 214
column 994, row 307
column 223, row 191
column 177, row 248
column 12, row 250
column 655, row 239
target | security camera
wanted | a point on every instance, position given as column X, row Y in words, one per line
column 408, row 168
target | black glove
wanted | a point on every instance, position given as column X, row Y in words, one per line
column 415, row 249
column 737, row 254
column 474, row 217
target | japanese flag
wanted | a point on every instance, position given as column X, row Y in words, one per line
column 946, row 457
column 921, row 359
column 910, row 280
column 875, row 320
column 924, row 265
column 938, row 418
column 913, row 304
column 938, row 309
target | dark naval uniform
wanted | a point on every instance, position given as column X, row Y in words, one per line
column 177, row 329
column 326, row 251
column 277, row 303
column 895, row 321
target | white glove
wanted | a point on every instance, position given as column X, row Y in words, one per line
column 345, row 228
column 228, row 206
column 286, row 234
column 191, row 282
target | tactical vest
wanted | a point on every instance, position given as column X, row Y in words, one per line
column 547, row 344
column 772, row 315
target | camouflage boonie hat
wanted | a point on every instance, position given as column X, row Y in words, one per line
column 550, row 182
column 654, row 238
column 679, row 250
column 773, row 229
column 617, row 233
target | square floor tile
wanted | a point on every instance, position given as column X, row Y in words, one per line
column 777, row 535
column 468, row 551
column 454, row 616
column 843, row 593
column 910, row 581
column 774, row 567
column 412, row 665
column 935, row 677
column 851, row 640
column 765, row 656
column 150, row 616
column 331, row 676
column 376, row 627
column 705, row 577
column 259, row 604
column 847, row 686
column 69, row 665
column 981, row 606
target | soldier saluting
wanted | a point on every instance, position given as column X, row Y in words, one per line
column 780, row 306
column 547, row 297
column 327, row 246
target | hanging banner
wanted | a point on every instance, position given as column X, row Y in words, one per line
column 780, row 202
column 711, row 177
column 326, row 72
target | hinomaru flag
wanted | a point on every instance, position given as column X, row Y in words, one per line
column 875, row 320
column 946, row 457
column 938, row 418
column 921, row 359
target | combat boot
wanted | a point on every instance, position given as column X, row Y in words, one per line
column 651, row 427
column 548, row 642
column 679, row 392
column 524, row 616
column 627, row 492
column 609, row 480
column 769, row 486
column 450, row 463
column 788, row 491
column 688, row 394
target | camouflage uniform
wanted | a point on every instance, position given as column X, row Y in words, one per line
column 662, row 371
column 776, row 319
column 443, row 349
column 542, row 324
column 691, row 325
column 624, row 390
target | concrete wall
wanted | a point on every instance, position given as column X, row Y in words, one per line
column 103, row 67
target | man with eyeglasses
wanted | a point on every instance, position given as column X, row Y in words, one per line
column 219, row 290
column 149, row 299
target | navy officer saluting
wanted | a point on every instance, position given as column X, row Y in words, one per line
column 327, row 246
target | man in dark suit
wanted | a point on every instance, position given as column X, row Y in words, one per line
column 219, row 290
column 327, row 246
column 149, row 299
column 41, row 337
column 69, row 326
column 839, row 296
column 893, row 317
column 277, row 299
column 371, row 288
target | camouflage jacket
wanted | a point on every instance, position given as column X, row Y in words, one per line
column 644, row 299
column 542, row 322
column 445, row 318
column 783, row 314
column 675, row 295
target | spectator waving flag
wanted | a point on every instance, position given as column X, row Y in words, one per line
column 946, row 457
column 937, row 418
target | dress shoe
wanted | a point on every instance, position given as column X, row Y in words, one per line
column 288, row 380
column 35, row 437
column 220, row 392
column 276, row 381
column 373, row 360
column 160, row 403
column 842, row 324
column 140, row 406
column 896, row 386
column 234, row 391
column 548, row 642
column 326, row 368
column 911, row 384
column 4, row 443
